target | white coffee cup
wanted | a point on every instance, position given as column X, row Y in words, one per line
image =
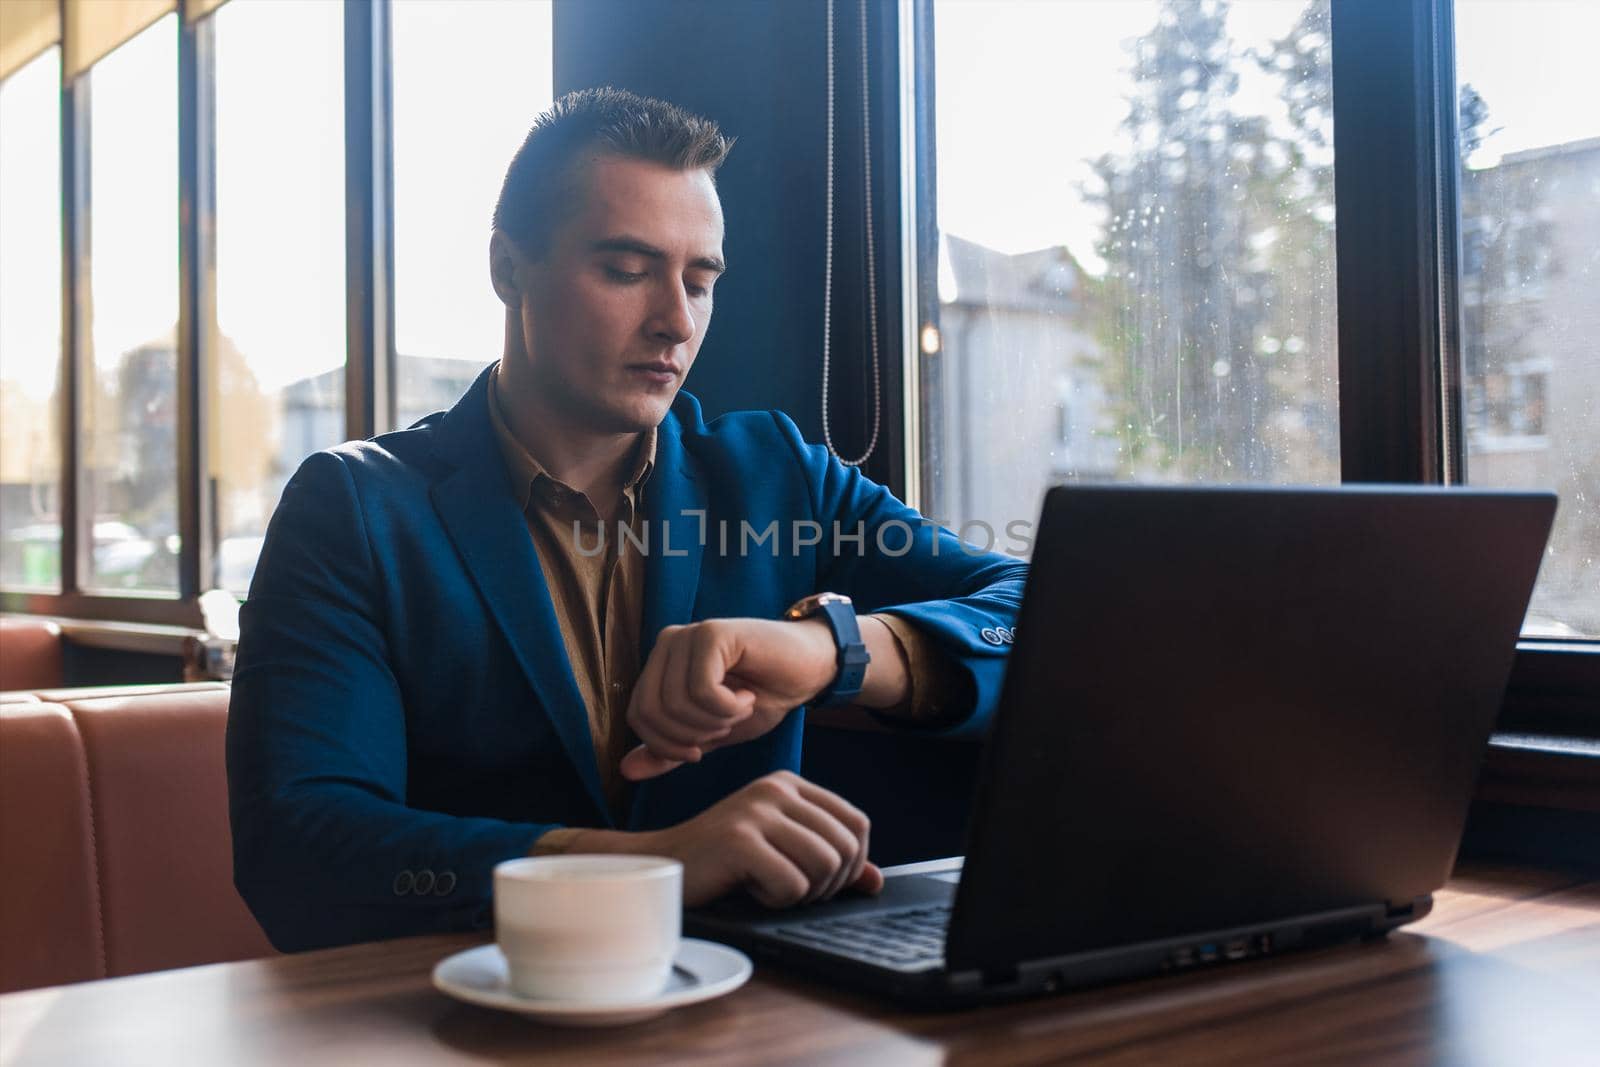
column 603, row 929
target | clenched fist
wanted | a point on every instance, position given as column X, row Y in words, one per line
column 783, row 839
column 723, row 681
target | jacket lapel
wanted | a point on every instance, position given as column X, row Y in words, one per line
column 675, row 505
column 481, row 516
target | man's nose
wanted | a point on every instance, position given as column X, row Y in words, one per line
column 672, row 319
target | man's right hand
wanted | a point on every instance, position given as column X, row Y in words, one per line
column 781, row 838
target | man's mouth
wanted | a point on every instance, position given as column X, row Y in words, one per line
column 664, row 372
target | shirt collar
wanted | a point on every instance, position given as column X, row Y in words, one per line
column 526, row 472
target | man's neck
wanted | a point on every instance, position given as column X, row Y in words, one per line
column 594, row 464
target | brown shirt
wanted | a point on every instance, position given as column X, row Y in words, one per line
column 598, row 596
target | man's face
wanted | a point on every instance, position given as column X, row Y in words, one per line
column 614, row 313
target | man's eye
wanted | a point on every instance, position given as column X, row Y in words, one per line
column 624, row 275
column 698, row 290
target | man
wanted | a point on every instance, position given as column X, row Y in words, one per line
column 549, row 619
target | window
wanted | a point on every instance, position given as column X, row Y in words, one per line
column 1135, row 215
column 468, row 80
column 276, row 356
column 30, row 328
column 1530, row 295
column 1132, row 232
column 130, row 390
column 262, row 152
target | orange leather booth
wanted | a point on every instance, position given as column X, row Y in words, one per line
column 30, row 654
column 114, row 841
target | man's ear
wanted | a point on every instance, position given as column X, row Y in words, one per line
column 503, row 270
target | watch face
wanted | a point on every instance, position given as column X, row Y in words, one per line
column 806, row 607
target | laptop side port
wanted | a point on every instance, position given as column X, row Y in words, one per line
column 1238, row 948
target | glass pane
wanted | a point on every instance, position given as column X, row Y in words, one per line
column 468, row 81
column 277, row 371
column 30, row 327
column 1136, row 256
column 1530, row 283
column 130, row 398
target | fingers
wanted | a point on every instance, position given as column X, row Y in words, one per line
column 771, row 837
column 771, row 876
column 705, row 682
column 844, row 850
column 808, row 851
column 850, row 818
column 820, row 833
column 646, row 714
column 682, row 704
column 641, row 763
column 870, row 882
column 694, row 717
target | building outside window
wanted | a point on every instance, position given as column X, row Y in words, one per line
column 1530, row 284
column 1135, row 218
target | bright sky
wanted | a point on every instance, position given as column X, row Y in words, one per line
column 1028, row 90
column 133, row 184
column 280, row 186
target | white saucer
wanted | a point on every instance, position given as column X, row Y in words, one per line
column 703, row 970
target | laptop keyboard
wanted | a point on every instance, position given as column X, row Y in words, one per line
column 912, row 939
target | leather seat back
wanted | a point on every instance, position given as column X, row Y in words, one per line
column 152, row 818
column 30, row 654
column 50, row 929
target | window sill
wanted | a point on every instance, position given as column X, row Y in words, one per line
column 1521, row 769
column 148, row 638
column 1542, row 771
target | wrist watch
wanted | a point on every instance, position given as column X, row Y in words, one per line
column 853, row 658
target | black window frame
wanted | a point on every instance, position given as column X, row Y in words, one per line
column 1400, row 388
column 1394, row 104
column 369, row 356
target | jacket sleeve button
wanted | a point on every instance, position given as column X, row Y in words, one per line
column 424, row 883
column 403, row 883
column 445, row 884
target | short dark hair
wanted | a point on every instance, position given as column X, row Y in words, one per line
column 541, row 181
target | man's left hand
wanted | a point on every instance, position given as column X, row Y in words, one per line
column 720, row 682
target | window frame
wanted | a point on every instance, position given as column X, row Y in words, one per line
column 1400, row 386
column 1400, row 392
column 369, row 355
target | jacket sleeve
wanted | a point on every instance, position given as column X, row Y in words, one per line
column 325, row 849
column 889, row 559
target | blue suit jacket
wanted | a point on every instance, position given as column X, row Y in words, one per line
column 403, row 701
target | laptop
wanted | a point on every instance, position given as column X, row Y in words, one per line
column 1235, row 722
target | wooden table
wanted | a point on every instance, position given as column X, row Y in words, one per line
column 1505, row 971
